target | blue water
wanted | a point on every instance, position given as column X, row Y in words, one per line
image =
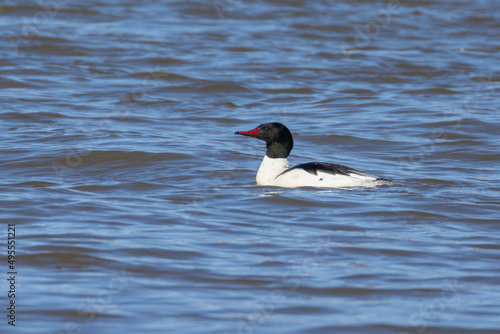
column 135, row 205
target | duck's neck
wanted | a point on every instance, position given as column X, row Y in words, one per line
column 279, row 149
column 269, row 169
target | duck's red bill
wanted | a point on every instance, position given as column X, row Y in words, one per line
column 251, row 133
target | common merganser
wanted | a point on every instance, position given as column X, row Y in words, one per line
column 274, row 171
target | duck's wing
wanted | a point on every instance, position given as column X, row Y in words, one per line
column 334, row 169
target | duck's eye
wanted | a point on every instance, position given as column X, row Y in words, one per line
column 265, row 128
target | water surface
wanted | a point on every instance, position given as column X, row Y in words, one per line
column 135, row 205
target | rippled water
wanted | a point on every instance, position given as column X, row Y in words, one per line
column 135, row 205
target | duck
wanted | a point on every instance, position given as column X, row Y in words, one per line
column 274, row 169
